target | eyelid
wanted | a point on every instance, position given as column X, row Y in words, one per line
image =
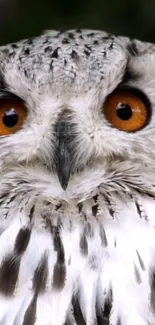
column 4, row 94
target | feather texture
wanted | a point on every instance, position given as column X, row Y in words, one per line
column 85, row 263
column 86, row 255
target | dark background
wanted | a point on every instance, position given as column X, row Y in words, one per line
column 25, row 18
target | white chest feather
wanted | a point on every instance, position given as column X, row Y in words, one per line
column 87, row 263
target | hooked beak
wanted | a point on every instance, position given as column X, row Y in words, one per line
column 63, row 166
column 63, row 152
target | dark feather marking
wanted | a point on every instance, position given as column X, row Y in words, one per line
column 138, row 208
column 94, row 210
column 118, row 321
column 70, row 226
column 111, row 45
column 2, row 230
column 30, row 314
column 95, row 198
column 69, row 261
column 40, row 275
column 87, row 53
column 78, row 313
column 80, row 207
column 71, row 35
column 6, row 214
column 101, row 321
column 9, row 271
column 23, row 182
column 48, row 49
column 111, row 211
column 81, row 212
column 31, row 212
column 141, row 211
column 70, row 319
column 55, row 53
column 59, row 274
column 65, row 41
column 89, row 230
column 3, row 84
column 22, row 240
column 141, row 261
column 107, row 308
column 92, row 261
column 11, row 199
column 74, row 55
column 58, row 246
column 150, row 195
column 3, row 196
column 84, row 245
column 132, row 48
column 137, row 275
column 58, row 206
column 152, row 296
column 103, row 236
column 46, row 203
column 88, row 47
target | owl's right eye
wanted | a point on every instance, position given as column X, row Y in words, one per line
column 12, row 115
column 127, row 110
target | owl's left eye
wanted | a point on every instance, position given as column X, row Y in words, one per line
column 127, row 110
column 12, row 115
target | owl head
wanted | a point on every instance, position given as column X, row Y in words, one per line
column 77, row 110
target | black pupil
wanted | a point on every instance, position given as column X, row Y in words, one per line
column 10, row 118
column 124, row 111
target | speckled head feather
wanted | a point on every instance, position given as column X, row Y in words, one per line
column 77, row 195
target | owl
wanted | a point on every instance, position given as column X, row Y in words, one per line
column 77, row 180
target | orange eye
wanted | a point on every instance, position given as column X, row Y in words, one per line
column 126, row 111
column 12, row 115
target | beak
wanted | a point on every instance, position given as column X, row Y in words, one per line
column 63, row 152
column 63, row 165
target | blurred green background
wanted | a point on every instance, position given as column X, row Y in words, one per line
column 26, row 18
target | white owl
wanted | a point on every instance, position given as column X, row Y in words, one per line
column 77, row 180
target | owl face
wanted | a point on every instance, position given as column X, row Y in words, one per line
column 76, row 104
